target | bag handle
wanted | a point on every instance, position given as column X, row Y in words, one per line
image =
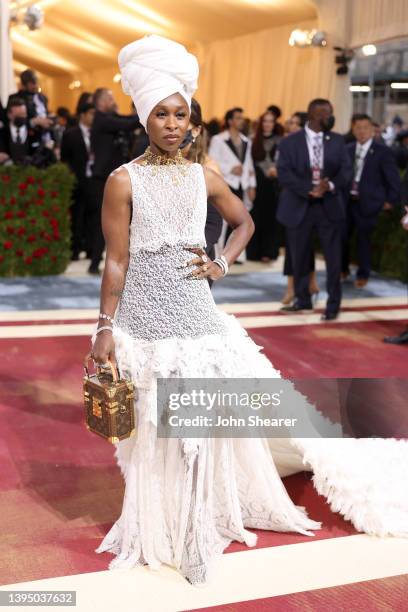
column 115, row 375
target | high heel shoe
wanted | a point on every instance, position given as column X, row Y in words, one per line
column 314, row 296
column 288, row 298
column 290, row 292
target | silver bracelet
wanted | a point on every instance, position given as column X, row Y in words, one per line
column 103, row 327
column 105, row 316
column 222, row 263
column 224, row 259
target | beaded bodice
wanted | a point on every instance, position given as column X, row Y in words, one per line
column 169, row 206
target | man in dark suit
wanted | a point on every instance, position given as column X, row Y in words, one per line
column 313, row 170
column 375, row 186
column 18, row 141
column 76, row 152
column 36, row 103
column 110, row 141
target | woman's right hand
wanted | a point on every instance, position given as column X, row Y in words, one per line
column 103, row 349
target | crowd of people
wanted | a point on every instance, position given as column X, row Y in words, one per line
column 297, row 178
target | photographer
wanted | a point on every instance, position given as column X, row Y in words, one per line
column 110, row 143
column 36, row 104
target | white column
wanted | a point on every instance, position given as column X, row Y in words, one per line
column 7, row 82
column 335, row 19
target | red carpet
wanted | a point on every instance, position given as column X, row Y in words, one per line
column 333, row 350
column 60, row 487
column 386, row 594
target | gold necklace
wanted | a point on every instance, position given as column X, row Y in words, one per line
column 154, row 159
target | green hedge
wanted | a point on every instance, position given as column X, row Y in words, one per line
column 35, row 233
column 390, row 246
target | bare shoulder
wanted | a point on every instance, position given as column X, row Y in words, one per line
column 213, row 180
column 212, row 165
column 119, row 182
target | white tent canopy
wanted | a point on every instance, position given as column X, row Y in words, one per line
column 7, row 82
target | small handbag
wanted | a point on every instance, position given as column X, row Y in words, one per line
column 109, row 403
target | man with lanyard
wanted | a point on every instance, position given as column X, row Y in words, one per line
column 313, row 170
column 375, row 187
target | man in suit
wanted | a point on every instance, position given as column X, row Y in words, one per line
column 375, row 186
column 110, row 143
column 18, row 141
column 76, row 152
column 231, row 149
column 313, row 170
column 36, row 103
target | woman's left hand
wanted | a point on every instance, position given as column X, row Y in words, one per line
column 205, row 267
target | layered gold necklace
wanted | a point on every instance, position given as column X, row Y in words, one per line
column 154, row 159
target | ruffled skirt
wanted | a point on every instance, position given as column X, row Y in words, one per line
column 186, row 499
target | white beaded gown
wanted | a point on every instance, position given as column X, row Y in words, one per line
column 185, row 500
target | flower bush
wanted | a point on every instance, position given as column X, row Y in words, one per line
column 35, row 233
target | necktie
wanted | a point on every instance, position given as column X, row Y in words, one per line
column 317, row 150
column 18, row 136
column 316, row 159
column 358, row 162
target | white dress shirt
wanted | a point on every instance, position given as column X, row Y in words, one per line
column 23, row 133
column 312, row 139
column 361, row 152
column 86, row 135
column 315, row 139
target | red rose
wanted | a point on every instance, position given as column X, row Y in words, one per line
column 33, row 221
column 47, row 237
column 41, row 192
column 21, row 214
column 55, row 208
column 10, row 230
column 54, row 221
column 6, row 178
column 53, row 257
column 8, row 215
column 54, row 194
column 23, row 186
column 31, row 238
column 21, row 231
column 45, row 213
column 12, row 200
column 30, row 180
column 19, row 252
column 39, row 202
column 8, row 244
column 28, row 260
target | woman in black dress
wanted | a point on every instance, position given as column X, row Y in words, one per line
column 264, row 245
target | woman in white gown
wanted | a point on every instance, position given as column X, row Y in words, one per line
column 186, row 499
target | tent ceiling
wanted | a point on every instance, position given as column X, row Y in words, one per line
column 85, row 35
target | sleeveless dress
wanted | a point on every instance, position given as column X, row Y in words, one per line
column 185, row 500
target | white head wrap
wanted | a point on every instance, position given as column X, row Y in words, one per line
column 154, row 68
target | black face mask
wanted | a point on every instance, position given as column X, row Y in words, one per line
column 328, row 124
column 19, row 122
column 188, row 139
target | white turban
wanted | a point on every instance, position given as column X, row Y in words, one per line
column 154, row 68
